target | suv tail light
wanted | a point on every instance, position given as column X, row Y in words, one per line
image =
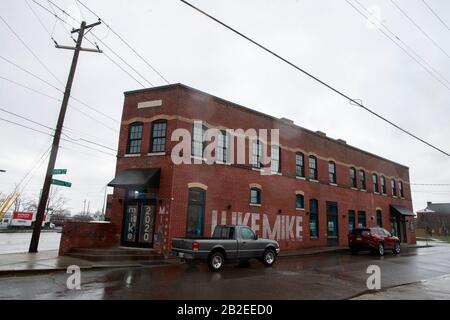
column 195, row 246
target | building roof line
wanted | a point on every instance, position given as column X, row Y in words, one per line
column 236, row 105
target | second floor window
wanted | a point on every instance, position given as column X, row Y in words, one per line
column 198, row 141
column 394, row 188
column 362, row 179
column 222, row 147
column 275, row 159
column 257, row 150
column 159, row 136
column 332, row 171
column 400, row 189
column 299, row 164
column 134, row 138
column 383, row 184
column 312, row 168
column 353, row 183
column 375, row 183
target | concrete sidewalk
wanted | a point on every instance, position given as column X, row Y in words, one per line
column 432, row 289
column 46, row 261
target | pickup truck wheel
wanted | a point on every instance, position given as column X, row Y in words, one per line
column 269, row 258
column 215, row 261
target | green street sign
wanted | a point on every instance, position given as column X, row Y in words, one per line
column 60, row 171
column 61, row 183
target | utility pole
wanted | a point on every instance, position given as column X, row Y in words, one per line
column 57, row 136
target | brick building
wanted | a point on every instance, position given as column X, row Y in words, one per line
column 320, row 187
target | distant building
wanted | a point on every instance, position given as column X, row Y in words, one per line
column 435, row 218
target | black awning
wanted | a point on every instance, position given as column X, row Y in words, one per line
column 137, row 179
column 401, row 210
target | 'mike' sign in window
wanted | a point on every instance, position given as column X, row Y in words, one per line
column 149, row 104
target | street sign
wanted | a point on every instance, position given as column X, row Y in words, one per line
column 60, row 171
column 61, row 183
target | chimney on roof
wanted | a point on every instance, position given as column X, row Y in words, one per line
column 429, row 203
column 287, row 121
column 341, row 141
column 320, row 133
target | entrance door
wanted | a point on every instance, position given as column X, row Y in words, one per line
column 195, row 213
column 332, row 224
column 139, row 224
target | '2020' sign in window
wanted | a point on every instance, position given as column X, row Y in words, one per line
column 146, row 224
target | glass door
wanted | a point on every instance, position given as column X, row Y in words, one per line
column 332, row 225
column 139, row 224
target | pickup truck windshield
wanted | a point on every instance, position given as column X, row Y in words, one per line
column 221, row 232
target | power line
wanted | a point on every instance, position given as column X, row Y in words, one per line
column 46, row 133
column 48, row 127
column 56, row 88
column 27, row 119
column 419, row 28
column 108, row 57
column 29, row 50
column 403, row 43
column 59, row 100
column 24, row 126
column 435, row 14
column 315, row 78
column 40, row 21
column 124, row 41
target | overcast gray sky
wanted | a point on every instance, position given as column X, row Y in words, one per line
column 328, row 38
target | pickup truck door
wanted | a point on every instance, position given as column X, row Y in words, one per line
column 248, row 246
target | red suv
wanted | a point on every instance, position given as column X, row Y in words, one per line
column 376, row 240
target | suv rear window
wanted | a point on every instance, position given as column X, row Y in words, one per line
column 363, row 232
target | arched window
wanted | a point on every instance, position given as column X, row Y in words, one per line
column 332, row 171
column 400, row 189
column 353, row 183
column 275, row 159
column 375, row 183
column 257, row 150
column 158, row 141
column 362, row 179
column 134, row 138
column 299, row 201
column 300, row 164
column 255, row 196
column 394, row 188
column 312, row 168
column 383, row 184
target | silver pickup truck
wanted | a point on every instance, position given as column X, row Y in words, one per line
column 228, row 243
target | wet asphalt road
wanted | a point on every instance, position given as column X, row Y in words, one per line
column 324, row 276
column 20, row 241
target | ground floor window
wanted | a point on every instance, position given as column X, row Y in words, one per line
column 313, row 218
column 379, row 219
column 351, row 220
column 361, row 219
column 196, row 211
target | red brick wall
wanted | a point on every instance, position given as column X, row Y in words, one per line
column 87, row 235
column 228, row 186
